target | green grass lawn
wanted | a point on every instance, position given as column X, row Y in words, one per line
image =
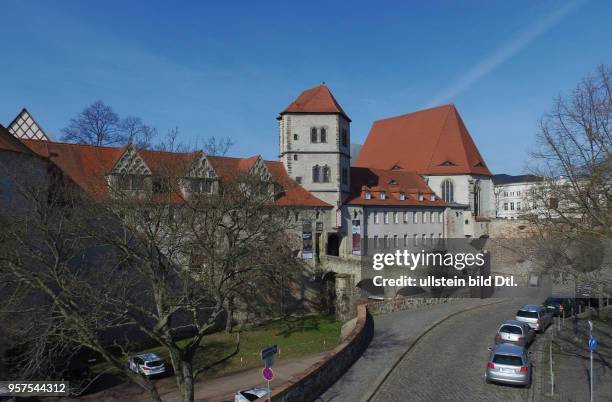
column 295, row 337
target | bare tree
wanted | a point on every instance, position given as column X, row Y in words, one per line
column 572, row 205
column 99, row 125
column 145, row 266
column 217, row 146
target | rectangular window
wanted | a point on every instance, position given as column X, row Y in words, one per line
column 415, row 217
column 395, row 217
column 423, row 238
column 511, row 206
column 440, row 217
column 414, row 239
column 432, row 197
column 505, row 206
column 421, row 196
column 367, row 195
column 395, row 244
column 425, row 216
column 405, row 240
column 406, row 219
column 313, row 134
column 431, row 238
column 375, row 241
column 383, row 195
column 505, row 193
column 518, row 206
column 298, row 180
column 376, row 217
column 386, row 217
column 386, row 241
column 402, row 196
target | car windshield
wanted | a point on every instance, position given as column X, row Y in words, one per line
column 511, row 329
column 527, row 314
column 155, row 363
column 249, row 396
column 555, row 301
column 508, row 359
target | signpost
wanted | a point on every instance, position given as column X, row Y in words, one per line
column 267, row 356
column 592, row 347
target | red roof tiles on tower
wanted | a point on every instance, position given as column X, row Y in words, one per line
column 432, row 141
column 316, row 100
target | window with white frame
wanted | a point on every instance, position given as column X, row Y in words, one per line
column 414, row 239
column 425, row 217
column 395, row 217
column 421, row 196
column 448, row 191
column 405, row 240
column 415, row 217
column 395, row 243
column 376, row 219
column 406, row 217
column 402, row 196
column 386, row 217
column 367, row 195
column 382, row 195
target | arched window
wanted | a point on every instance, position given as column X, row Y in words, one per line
column 316, row 171
column 477, row 198
column 323, row 135
column 313, row 134
column 448, row 191
column 326, row 174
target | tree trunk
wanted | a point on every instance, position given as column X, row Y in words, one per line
column 229, row 321
column 186, row 388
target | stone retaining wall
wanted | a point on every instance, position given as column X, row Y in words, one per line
column 313, row 382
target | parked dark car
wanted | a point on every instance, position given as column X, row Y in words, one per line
column 561, row 305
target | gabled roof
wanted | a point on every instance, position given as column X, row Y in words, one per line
column 8, row 142
column 24, row 126
column 392, row 182
column 315, row 100
column 432, row 141
column 86, row 165
column 293, row 194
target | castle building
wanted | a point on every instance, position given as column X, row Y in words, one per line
column 418, row 179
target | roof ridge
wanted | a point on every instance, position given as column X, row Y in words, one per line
column 433, row 151
column 449, row 105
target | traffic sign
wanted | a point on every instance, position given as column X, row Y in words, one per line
column 592, row 344
column 268, row 374
column 269, row 352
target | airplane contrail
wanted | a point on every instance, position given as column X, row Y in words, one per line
column 505, row 52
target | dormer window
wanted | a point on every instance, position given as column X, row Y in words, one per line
column 402, row 196
column 199, row 186
column 367, row 195
column 421, row 196
column 130, row 182
column 393, row 182
column 447, row 163
column 432, row 197
column 396, row 167
column 383, row 195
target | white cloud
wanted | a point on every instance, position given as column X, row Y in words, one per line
column 505, row 52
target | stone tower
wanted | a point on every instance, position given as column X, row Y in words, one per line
column 314, row 143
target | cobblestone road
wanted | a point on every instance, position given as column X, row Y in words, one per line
column 448, row 364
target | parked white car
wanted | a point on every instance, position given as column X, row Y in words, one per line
column 250, row 394
column 147, row 364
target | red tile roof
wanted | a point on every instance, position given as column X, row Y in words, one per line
column 432, row 141
column 293, row 194
column 315, row 100
column 88, row 165
column 392, row 182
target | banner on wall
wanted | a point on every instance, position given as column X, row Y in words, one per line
column 356, row 231
column 307, row 240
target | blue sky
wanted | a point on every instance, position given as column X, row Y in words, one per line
column 228, row 68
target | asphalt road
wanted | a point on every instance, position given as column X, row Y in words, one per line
column 448, row 364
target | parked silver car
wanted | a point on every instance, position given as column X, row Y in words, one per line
column 513, row 331
column 538, row 317
column 509, row 364
column 250, row 394
column 147, row 364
